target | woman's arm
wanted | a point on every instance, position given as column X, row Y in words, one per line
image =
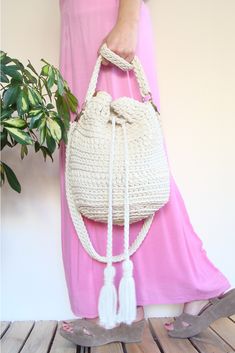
column 122, row 39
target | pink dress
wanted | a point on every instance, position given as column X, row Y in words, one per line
column 171, row 265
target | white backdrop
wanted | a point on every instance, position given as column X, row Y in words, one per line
column 195, row 55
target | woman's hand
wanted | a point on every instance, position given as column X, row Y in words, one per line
column 122, row 39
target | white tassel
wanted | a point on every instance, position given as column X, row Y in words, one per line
column 127, row 294
column 107, row 305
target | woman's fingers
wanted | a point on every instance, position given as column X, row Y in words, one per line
column 122, row 40
column 123, row 54
column 130, row 57
column 105, row 62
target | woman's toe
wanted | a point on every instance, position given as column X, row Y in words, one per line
column 67, row 327
column 169, row 326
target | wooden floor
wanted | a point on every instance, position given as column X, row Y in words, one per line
column 44, row 337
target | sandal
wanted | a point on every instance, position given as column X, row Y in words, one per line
column 220, row 306
column 89, row 334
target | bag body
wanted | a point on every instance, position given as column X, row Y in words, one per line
column 90, row 153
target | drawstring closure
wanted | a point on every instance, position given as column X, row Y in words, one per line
column 107, row 305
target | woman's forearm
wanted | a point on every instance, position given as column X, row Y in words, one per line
column 122, row 39
column 129, row 11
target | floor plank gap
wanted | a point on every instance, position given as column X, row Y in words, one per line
column 158, row 343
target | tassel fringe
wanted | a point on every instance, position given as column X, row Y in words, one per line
column 127, row 295
column 107, row 305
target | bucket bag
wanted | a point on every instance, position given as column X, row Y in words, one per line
column 116, row 172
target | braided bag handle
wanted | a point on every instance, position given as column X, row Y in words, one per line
column 124, row 65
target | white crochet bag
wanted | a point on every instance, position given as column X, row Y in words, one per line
column 116, row 172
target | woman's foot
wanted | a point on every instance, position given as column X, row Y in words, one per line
column 69, row 326
column 192, row 308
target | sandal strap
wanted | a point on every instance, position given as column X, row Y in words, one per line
column 190, row 319
column 214, row 300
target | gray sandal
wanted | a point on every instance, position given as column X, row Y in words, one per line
column 89, row 334
column 220, row 306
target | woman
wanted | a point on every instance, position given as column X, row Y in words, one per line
column 172, row 265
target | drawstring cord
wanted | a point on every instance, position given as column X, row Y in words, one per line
column 107, row 305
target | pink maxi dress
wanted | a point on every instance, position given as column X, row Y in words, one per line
column 171, row 266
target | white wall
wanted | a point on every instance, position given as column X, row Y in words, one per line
column 195, row 58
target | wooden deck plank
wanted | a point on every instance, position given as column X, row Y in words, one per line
column 44, row 337
column 167, row 343
column 40, row 337
column 225, row 328
column 232, row 317
column 4, row 326
column 61, row 344
column 148, row 345
column 209, row 342
column 16, row 335
column 108, row 348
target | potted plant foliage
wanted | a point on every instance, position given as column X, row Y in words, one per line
column 35, row 111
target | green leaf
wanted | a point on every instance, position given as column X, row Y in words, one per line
column 36, row 146
column 10, row 95
column 2, row 175
column 22, row 102
column 72, row 101
column 51, row 144
column 5, row 113
column 42, row 130
column 23, row 151
column 46, row 152
column 20, row 136
column 63, row 110
column 3, row 138
column 32, row 68
column 45, row 70
column 33, row 96
column 37, row 111
column 2, row 54
column 3, row 77
column 55, row 129
column 29, row 78
column 11, row 178
column 11, row 70
column 40, row 99
column 35, row 120
column 4, row 58
column 15, row 122
column 50, row 106
column 51, row 77
column 63, row 129
column 19, row 65
column 66, row 86
column 47, row 89
column 60, row 83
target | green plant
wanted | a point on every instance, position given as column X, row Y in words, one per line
column 32, row 104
